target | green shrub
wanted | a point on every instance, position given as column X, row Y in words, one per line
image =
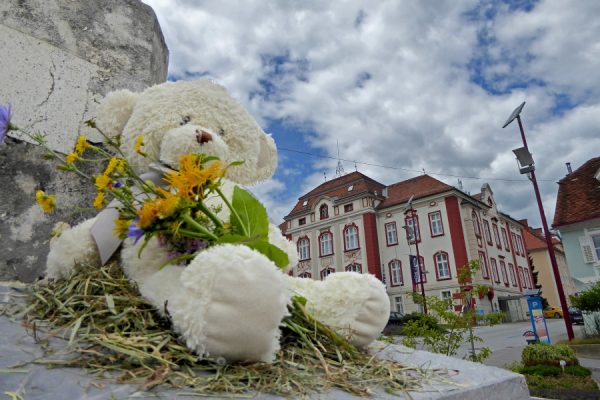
column 422, row 320
column 577, row 370
column 541, row 370
column 546, row 354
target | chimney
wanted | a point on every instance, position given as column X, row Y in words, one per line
column 569, row 170
column 384, row 192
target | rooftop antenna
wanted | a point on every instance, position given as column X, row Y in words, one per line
column 325, row 176
column 355, row 166
column 460, row 186
column 339, row 171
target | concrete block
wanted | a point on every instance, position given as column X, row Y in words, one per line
column 59, row 57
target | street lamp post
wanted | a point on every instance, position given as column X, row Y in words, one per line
column 420, row 269
column 528, row 167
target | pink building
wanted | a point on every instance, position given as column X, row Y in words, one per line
column 354, row 223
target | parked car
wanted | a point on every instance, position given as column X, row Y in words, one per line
column 395, row 324
column 553, row 312
column 396, row 317
column 575, row 315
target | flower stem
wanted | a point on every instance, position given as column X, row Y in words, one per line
column 202, row 230
column 217, row 221
column 233, row 211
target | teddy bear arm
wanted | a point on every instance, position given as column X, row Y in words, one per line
column 71, row 247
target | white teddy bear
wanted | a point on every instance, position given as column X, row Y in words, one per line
column 230, row 300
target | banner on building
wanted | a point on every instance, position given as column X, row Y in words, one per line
column 414, row 272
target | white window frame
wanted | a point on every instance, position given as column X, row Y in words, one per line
column 442, row 264
column 391, row 233
column 494, row 267
column 354, row 267
column 396, row 273
column 503, row 272
column 437, row 227
column 326, row 244
column 444, row 297
column 595, row 239
column 351, row 237
column 303, row 249
column 399, row 304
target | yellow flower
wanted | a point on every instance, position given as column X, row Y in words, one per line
column 147, row 214
column 81, row 145
column 190, row 180
column 139, row 143
column 102, row 181
column 121, row 228
column 47, row 201
column 167, row 204
column 115, row 164
column 72, row 157
column 99, row 200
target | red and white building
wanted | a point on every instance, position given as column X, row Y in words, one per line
column 354, row 223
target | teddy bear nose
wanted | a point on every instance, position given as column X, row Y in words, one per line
column 203, row 137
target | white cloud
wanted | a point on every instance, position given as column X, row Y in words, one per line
column 406, row 84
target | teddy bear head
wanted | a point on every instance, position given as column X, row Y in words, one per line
column 188, row 117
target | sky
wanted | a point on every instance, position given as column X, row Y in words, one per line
column 398, row 88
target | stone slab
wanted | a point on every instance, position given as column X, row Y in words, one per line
column 450, row 378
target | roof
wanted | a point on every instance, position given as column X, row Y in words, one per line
column 420, row 186
column 337, row 189
column 535, row 240
column 578, row 197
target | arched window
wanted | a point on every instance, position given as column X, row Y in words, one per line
column 351, row 237
column 324, row 211
column 442, row 265
column 305, row 275
column 476, row 225
column 326, row 271
column 354, row 267
column 326, row 244
column 411, row 221
column 303, row 248
column 396, row 278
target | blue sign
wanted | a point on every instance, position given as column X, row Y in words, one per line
column 414, row 271
column 536, row 312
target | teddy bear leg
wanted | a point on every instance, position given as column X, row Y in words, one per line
column 70, row 247
column 355, row 305
column 229, row 303
column 140, row 265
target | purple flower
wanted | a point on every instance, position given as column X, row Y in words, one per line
column 5, row 114
column 135, row 232
column 118, row 184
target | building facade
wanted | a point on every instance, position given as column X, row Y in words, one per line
column 354, row 223
column 537, row 249
column 577, row 217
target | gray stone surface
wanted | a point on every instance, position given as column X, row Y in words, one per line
column 448, row 378
column 59, row 57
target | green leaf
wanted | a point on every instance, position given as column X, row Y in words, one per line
column 236, row 163
column 249, row 217
column 260, row 244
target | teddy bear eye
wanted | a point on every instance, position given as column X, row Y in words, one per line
column 185, row 120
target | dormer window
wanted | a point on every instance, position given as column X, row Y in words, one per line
column 324, row 211
column 350, row 188
column 305, row 203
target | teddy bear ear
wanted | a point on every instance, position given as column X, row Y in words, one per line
column 267, row 158
column 114, row 111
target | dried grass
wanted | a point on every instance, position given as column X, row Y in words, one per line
column 110, row 328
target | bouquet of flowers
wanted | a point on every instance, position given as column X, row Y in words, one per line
column 176, row 213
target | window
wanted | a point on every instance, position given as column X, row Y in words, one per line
column 303, row 249
column 527, row 280
column 505, row 239
column 326, row 272
column 476, row 225
column 435, row 224
column 520, row 245
column 446, row 296
column 488, row 233
column 351, row 237
column 412, row 228
column 442, row 267
column 326, row 244
column 305, row 275
column 348, row 207
column 302, row 221
column 422, row 273
column 391, row 235
column 513, row 276
column 399, row 304
column 521, row 276
column 396, row 273
column 355, row 267
column 514, row 242
column 495, row 270
column 497, row 236
column 596, row 241
column 324, row 211
column 503, row 271
column 484, row 265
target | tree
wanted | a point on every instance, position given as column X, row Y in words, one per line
column 537, row 285
column 588, row 300
column 458, row 326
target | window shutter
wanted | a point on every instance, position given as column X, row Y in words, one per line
column 587, row 250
